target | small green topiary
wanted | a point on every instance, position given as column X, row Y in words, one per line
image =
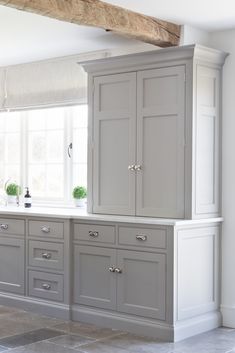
column 79, row 192
column 13, row 189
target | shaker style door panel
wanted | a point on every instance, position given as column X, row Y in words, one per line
column 207, row 141
column 141, row 284
column 12, row 265
column 114, row 144
column 160, row 142
column 94, row 283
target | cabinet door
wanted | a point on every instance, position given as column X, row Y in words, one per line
column 160, row 142
column 141, row 284
column 94, row 284
column 12, row 265
column 114, row 144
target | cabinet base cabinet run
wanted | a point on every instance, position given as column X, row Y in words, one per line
column 156, row 278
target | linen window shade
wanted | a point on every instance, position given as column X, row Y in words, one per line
column 41, row 84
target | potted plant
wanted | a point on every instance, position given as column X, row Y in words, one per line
column 13, row 191
column 79, row 195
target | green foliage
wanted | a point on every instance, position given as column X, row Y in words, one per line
column 79, row 192
column 13, row 189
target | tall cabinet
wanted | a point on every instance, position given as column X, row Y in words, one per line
column 154, row 133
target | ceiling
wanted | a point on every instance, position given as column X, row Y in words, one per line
column 26, row 37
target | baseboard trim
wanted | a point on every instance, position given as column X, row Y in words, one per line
column 228, row 316
column 43, row 307
column 199, row 324
column 132, row 324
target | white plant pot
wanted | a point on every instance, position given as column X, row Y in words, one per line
column 11, row 200
column 80, row 202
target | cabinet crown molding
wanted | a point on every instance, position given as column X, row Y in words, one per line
column 186, row 52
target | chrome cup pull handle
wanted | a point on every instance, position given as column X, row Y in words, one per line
column 46, row 286
column 4, row 226
column 118, row 270
column 45, row 229
column 46, row 256
column 141, row 237
column 93, row 234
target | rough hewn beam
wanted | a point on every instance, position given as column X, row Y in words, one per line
column 100, row 14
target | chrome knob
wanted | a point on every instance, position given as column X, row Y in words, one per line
column 93, row 234
column 112, row 269
column 141, row 237
column 45, row 229
column 118, row 270
column 131, row 167
column 46, row 256
column 46, row 286
column 4, row 226
column 137, row 167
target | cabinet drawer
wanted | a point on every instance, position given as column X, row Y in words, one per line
column 144, row 237
column 46, row 229
column 12, row 226
column 95, row 233
column 46, row 255
column 46, row 285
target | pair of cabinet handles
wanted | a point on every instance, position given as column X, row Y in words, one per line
column 116, row 270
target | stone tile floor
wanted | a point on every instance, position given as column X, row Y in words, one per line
column 22, row 332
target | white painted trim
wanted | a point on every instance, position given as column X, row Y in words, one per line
column 228, row 315
column 199, row 324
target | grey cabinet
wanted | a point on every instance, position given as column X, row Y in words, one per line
column 160, row 142
column 127, row 281
column 154, row 139
column 114, row 143
column 12, row 264
column 158, row 147
column 141, row 284
column 94, row 284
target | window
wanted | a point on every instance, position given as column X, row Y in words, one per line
column 34, row 151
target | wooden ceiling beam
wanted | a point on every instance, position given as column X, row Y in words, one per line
column 99, row 14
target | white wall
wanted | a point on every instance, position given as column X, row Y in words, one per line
column 225, row 41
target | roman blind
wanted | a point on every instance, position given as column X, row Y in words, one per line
column 42, row 83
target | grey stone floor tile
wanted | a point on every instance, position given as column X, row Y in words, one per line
column 38, row 321
column 28, row 338
column 133, row 343
column 71, row 341
column 101, row 347
column 86, row 330
column 9, row 310
column 42, row 347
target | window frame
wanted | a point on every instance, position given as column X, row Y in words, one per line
column 68, row 163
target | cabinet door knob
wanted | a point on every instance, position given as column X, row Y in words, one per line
column 131, row 167
column 4, row 226
column 46, row 286
column 118, row 270
column 45, row 229
column 137, row 167
column 46, row 256
column 141, row 237
column 112, row 269
column 93, row 234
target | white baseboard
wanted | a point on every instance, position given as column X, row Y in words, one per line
column 228, row 316
column 43, row 307
column 194, row 326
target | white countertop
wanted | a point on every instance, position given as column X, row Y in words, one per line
column 81, row 214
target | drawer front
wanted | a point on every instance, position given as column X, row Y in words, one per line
column 94, row 233
column 12, row 226
column 46, row 285
column 46, row 255
column 46, row 229
column 143, row 237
